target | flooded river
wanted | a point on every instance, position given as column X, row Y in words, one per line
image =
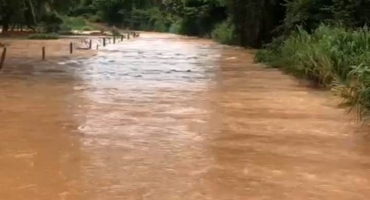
column 169, row 118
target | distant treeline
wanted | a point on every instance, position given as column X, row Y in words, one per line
column 239, row 22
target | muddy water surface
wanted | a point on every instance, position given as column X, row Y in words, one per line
column 168, row 118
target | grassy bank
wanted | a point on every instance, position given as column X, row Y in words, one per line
column 332, row 57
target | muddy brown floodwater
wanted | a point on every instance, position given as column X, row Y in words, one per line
column 169, row 118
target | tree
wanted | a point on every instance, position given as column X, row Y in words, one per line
column 29, row 12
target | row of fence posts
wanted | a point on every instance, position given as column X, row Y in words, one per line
column 43, row 50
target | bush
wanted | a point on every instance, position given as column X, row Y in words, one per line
column 65, row 27
column 83, row 10
column 331, row 57
column 51, row 22
column 65, row 30
column 175, row 27
column 224, row 33
column 160, row 26
column 75, row 23
column 86, row 28
column 44, row 36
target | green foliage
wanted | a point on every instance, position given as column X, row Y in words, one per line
column 224, row 33
column 333, row 57
column 51, row 22
column 30, row 12
column 309, row 14
column 151, row 19
column 84, row 8
column 196, row 17
column 175, row 27
column 114, row 11
column 65, row 27
column 44, row 36
column 76, row 23
column 255, row 20
column 252, row 22
column 65, row 30
column 86, row 28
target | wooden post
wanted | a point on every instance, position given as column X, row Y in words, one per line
column 114, row 39
column 104, row 42
column 43, row 53
column 121, row 38
column 71, row 48
column 128, row 36
column 3, row 55
column 90, row 45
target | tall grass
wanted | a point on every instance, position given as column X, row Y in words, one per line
column 332, row 57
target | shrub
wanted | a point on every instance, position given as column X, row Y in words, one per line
column 44, row 36
column 65, row 30
column 160, row 26
column 86, row 28
column 51, row 22
column 175, row 27
column 224, row 33
column 65, row 27
column 75, row 23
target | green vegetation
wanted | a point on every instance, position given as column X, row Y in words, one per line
column 224, row 33
column 32, row 14
column 75, row 23
column 87, row 28
column 44, row 36
column 238, row 22
column 51, row 22
column 326, row 42
column 332, row 57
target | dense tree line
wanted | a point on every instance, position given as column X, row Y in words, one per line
column 30, row 12
column 245, row 22
column 240, row 22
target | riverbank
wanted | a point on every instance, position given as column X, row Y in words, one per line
column 335, row 58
